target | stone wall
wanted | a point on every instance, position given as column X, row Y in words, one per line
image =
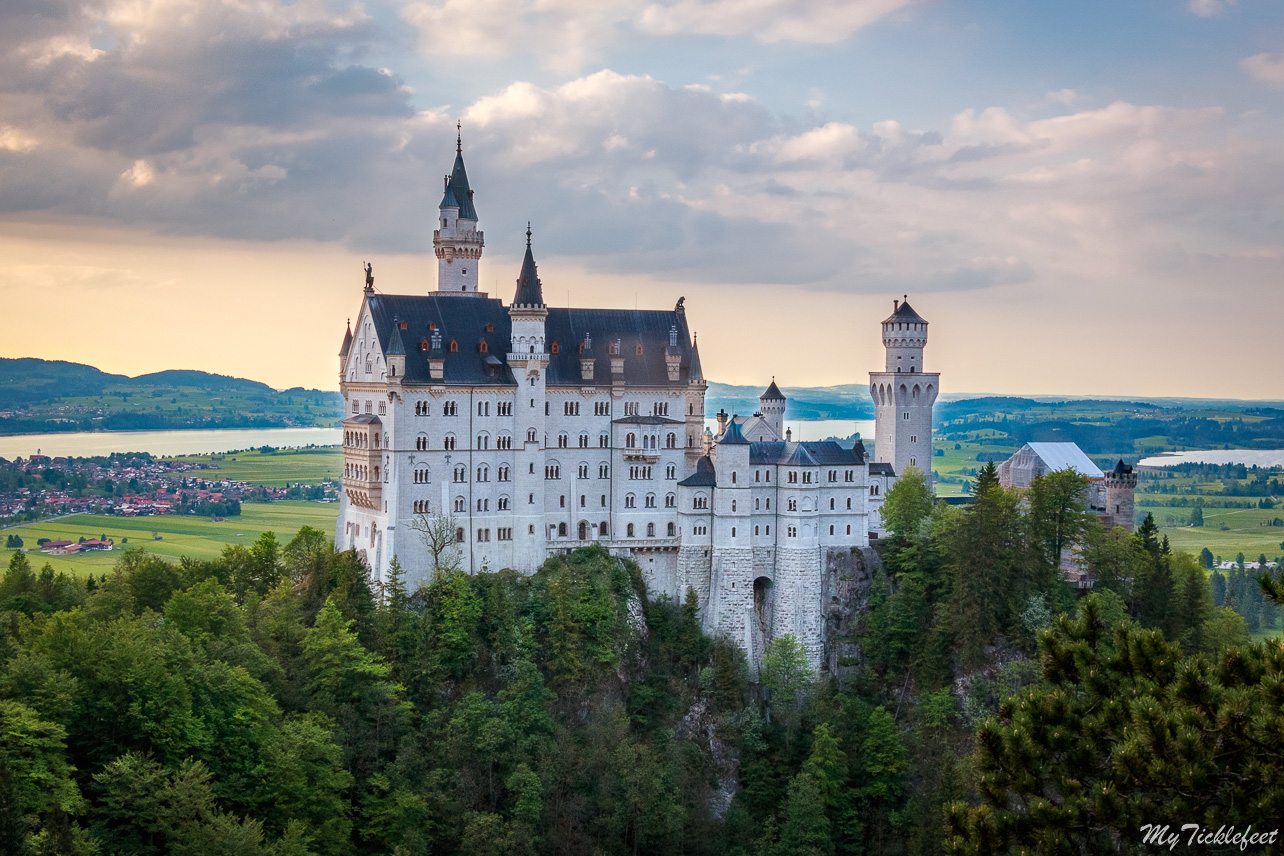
column 849, row 576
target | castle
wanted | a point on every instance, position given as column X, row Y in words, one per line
column 534, row 429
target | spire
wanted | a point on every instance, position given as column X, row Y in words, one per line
column 694, row 373
column 347, row 340
column 773, row 392
column 529, row 289
column 459, row 138
column 458, row 194
column 395, row 346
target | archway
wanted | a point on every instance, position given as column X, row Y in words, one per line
column 763, row 605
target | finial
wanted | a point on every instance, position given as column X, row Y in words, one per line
column 459, row 138
column 904, row 298
column 528, row 234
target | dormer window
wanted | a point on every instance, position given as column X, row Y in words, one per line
column 432, row 326
column 637, row 350
column 403, row 325
column 423, row 345
column 490, row 328
column 555, row 349
column 482, row 347
column 611, row 349
column 454, row 346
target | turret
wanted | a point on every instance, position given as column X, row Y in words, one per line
column 457, row 242
column 904, row 394
column 772, row 405
column 1121, row 488
column 396, row 354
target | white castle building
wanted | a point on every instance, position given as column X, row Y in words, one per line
column 537, row 429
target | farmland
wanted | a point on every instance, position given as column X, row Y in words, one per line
column 273, row 469
column 200, row 538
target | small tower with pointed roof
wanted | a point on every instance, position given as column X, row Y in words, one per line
column 904, row 394
column 772, row 405
column 457, row 242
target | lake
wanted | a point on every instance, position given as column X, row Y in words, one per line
column 84, row 444
column 1247, row 457
column 197, row 442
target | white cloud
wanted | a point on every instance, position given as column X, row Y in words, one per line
column 16, row 140
column 1265, row 68
column 566, row 35
column 139, row 175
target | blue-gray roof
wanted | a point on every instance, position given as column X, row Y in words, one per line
column 458, row 194
column 812, row 453
column 733, row 436
column 905, row 314
column 704, row 476
column 464, row 320
column 529, row 289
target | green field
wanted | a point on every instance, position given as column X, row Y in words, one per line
column 1245, row 533
column 198, row 537
column 277, row 469
column 956, row 465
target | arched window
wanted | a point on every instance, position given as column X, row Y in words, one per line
column 629, row 531
column 650, row 530
column 530, row 435
column 454, row 349
column 630, row 441
column 672, row 530
column 461, row 473
column 459, row 534
column 561, row 530
column 602, row 529
column 583, row 530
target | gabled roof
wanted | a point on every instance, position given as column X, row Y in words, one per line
column 881, row 469
column 1061, row 456
column 906, row 314
column 458, row 194
column 732, row 436
column 529, row 289
column 812, row 453
column 363, row 419
column 773, row 393
column 465, row 321
column 704, row 476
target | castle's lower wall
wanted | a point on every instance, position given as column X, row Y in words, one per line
column 797, row 608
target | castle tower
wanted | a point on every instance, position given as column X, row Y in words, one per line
column 904, row 394
column 528, row 359
column 1121, row 486
column 457, row 242
column 772, row 405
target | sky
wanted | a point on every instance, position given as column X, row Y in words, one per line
column 1082, row 198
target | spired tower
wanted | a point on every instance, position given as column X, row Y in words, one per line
column 904, row 394
column 457, row 242
column 1121, row 488
column 772, row 406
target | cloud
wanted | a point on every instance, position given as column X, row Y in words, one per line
column 1265, row 68
column 567, row 35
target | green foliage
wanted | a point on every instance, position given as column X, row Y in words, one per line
column 908, row 503
column 1122, row 735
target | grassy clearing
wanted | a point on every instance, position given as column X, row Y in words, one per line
column 957, row 464
column 1244, row 534
column 198, row 537
column 277, row 469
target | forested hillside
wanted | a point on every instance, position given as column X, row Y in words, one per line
column 275, row 701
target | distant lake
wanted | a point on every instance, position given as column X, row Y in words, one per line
column 1247, row 457
column 84, row 444
column 198, row 442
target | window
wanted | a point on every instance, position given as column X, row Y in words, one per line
column 483, row 441
column 831, row 508
column 671, row 529
column 806, row 478
column 847, row 476
column 530, row 435
column 356, row 406
column 504, row 442
column 650, row 500
column 831, row 530
column 584, row 441
column 849, row 529
column 757, row 505
column 459, row 534
column 849, row 503
column 421, row 506
column 637, row 349
column 483, row 473
column 483, row 505
column 502, row 474
column 603, row 471
column 630, row 408
column 561, row 530
column 383, row 408
column 503, row 534
column 483, row 408
column 769, row 503
column 630, row 501
column 563, row 441
column 913, row 438
column 630, row 441
column 629, row 530
column 502, row 503
column 755, row 530
column 700, row 501
column 504, row 408
column 461, row 473
column 555, row 348
column 601, row 408
column 793, row 505
column 570, row 408
column 793, row 477
column 450, row 408
column 833, row 476
column 603, row 441
column 552, row 471
column 421, row 443
column 561, row 501
column 604, row 500
column 733, row 505
column 733, row 476
column 792, row 532
column 454, row 346
column 461, row 504
column 671, row 472
column 650, row 530
column 733, row 531
column 670, row 500
column 602, row 529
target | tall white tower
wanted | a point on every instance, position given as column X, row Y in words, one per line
column 457, row 242
column 904, row 394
